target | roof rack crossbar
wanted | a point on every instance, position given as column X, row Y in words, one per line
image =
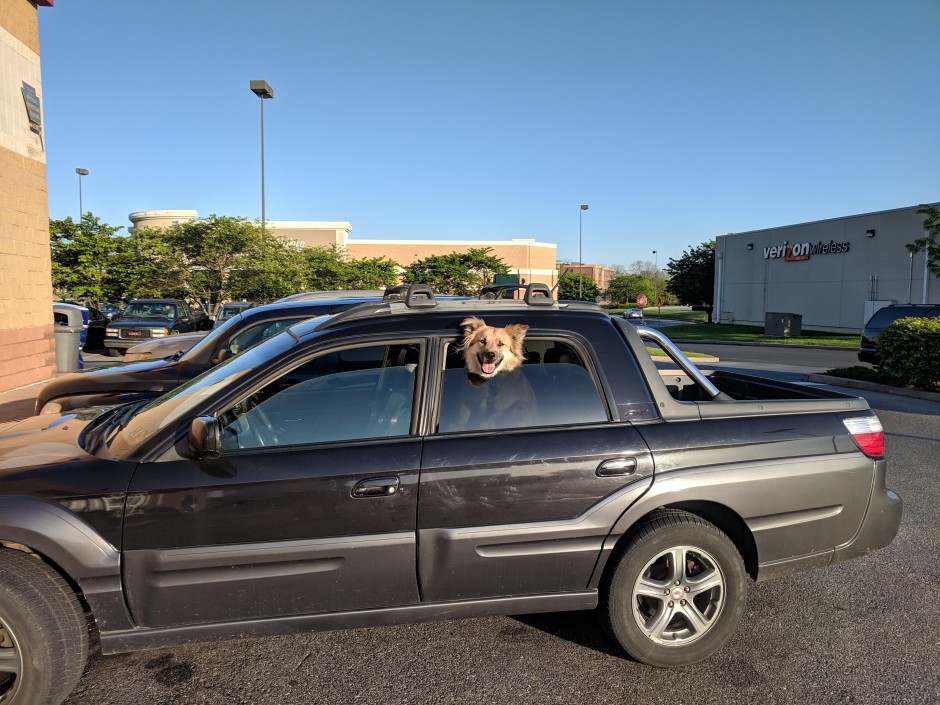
column 419, row 296
column 538, row 294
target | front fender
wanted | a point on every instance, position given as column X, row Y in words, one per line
column 69, row 542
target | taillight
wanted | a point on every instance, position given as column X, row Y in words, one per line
column 868, row 435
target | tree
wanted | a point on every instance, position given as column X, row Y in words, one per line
column 568, row 288
column 460, row 274
column 146, row 265
column 271, row 269
column 325, row 268
column 82, row 255
column 371, row 273
column 692, row 277
column 213, row 247
column 627, row 287
column 929, row 241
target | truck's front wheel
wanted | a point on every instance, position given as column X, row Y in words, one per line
column 677, row 592
column 43, row 633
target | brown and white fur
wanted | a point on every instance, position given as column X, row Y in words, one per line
column 508, row 402
column 488, row 350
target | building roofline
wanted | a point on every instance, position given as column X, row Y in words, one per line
column 831, row 220
column 475, row 243
column 310, row 225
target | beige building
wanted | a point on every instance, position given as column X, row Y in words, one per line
column 599, row 274
column 833, row 273
column 27, row 348
column 528, row 259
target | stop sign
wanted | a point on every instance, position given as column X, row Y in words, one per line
column 641, row 300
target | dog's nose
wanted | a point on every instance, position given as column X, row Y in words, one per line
column 489, row 356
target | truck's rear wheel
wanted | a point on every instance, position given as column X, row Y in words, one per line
column 43, row 633
column 677, row 592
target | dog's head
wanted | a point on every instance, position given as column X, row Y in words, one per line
column 488, row 351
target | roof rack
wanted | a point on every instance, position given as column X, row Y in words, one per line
column 420, row 296
column 413, row 295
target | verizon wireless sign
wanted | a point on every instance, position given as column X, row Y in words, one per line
column 799, row 251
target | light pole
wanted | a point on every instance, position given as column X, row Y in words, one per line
column 81, row 211
column 584, row 207
column 262, row 90
column 656, row 283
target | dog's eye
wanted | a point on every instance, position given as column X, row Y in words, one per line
column 482, row 341
column 500, row 344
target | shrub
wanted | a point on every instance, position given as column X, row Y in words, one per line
column 908, row 349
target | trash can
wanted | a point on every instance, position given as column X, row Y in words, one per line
column 783, row 325
column 69, row 330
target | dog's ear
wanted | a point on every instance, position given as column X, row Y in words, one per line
column 471, row 325
column 517, row 332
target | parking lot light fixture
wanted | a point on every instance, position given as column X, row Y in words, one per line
column 584, row 207
column 81, row 211
column 263, row 91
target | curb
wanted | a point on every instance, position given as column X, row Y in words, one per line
column 873, row 387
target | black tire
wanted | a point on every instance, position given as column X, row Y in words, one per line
column 115, row 352
column 43, row 633
column 665, row 614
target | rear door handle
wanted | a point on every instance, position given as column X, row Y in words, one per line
column 616, row 467
column 376, row 487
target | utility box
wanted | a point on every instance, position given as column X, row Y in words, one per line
column 69, row 329
column 783, row 325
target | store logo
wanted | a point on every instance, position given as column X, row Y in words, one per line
column 799, row 251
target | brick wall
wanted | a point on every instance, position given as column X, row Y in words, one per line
column 27, row 349
column 18, row 17
column 530, row 260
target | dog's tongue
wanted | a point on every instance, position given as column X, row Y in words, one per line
column 489, row 368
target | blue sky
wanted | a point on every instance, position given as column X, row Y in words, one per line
column 676, row 121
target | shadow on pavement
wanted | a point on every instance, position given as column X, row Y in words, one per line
column 15, row 410
column 582, row 628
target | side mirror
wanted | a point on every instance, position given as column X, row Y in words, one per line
column 204, row 437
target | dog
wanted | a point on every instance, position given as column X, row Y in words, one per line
column 488, row 350
column 494, row 395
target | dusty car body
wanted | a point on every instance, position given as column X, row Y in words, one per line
column 348, row 472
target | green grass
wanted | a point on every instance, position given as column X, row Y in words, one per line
column 656, row 352
column 726, row 333
column 676, row 314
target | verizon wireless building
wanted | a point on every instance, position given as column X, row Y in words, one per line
column 833, row 273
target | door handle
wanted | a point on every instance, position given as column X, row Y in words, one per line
column 376, row 487
column 616, row 467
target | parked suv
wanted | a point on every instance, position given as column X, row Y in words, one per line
column 150, row 378
column 230, row 309
column 144, row 319
column 882, row 318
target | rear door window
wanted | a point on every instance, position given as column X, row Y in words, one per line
column 554, row 387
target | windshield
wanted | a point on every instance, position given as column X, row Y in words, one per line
column 189, row 399
column 142, row 310
column 230, row 310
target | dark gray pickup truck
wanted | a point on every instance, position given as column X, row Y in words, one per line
column 350, row 472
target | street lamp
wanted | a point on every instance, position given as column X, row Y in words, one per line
column 584, row 207
column 81, row 210
column 656, row 283
column 262, row 90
